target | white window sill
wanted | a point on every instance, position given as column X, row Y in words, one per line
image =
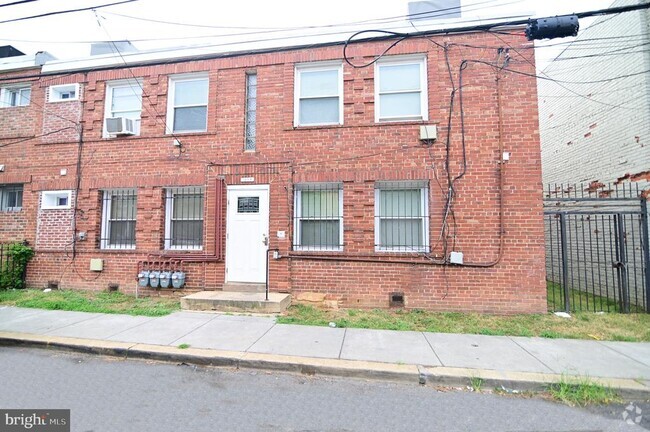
column 57, row 208
column 419, row 249
column 317, row 249
column 184, row 248
column 307, row 125
column 176, row 132
column 400, row 119
column 63, row 100
column 109, row 247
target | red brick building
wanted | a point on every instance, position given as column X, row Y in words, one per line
column 217, row 161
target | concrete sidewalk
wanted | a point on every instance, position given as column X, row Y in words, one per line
column 255, row 341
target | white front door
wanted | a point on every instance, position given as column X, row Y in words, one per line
column 247, row 232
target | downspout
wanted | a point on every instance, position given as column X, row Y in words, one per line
column 80, row 130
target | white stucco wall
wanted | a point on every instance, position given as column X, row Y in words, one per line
column 599, row 132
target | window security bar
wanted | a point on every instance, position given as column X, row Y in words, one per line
column 318, row 217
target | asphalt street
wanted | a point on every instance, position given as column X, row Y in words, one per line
column 108, row 394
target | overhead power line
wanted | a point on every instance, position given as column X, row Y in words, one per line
column 66, row 11
column 16, row 3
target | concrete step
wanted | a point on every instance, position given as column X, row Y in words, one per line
column 244, row 287
column 235, row 302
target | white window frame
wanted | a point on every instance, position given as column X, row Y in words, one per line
column 106, row 212
column 316, row 67
column 297, row 206
column 419, row 59
column 424, row 203
column 55, row 92
column 56, row 195
column 170, row 101
column 5, row 95
column 8, row 188
column 112, row 85
column 169, row 211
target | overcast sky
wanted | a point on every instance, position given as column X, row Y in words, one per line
column 64, row 35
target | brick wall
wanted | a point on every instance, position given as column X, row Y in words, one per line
column 357, row 154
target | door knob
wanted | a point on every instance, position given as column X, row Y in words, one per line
column 265, row 239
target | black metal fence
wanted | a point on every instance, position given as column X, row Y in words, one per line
column 597, row 251
column 11, row 273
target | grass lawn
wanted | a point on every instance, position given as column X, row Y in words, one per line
column 582, row 325
column 90, row 301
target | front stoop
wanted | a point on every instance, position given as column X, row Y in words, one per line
column 236, row 302
column 244, row 287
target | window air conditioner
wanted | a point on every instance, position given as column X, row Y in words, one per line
column 120, row 126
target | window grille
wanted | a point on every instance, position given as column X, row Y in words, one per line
column 401, row 217
column 318, row 217
column 118, row 219
column 184, row 221
column 251, row 111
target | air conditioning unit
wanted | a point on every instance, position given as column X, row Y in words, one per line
column 120, row 126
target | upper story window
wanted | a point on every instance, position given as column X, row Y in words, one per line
column 63, row 93
column 401, row 89
column 123, row 101
column 14, row 96
column 318, row 94
column 251, row 112
column 187, row 109
column 11, row 197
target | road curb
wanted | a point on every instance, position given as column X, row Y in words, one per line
column 434, row 376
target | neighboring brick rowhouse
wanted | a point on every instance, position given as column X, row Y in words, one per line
column 54, row 227
column 357, row 154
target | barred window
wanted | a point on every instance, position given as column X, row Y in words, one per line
column 118, row 219
column 401, row 216
column 318, row 219
column 251, row 111
column 184, row 221
column 11, row 197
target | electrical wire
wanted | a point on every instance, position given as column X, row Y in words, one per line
column 36, row 136
column 17, row 3
column 66, row 11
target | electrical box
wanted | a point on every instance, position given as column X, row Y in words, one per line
column 96, row 264
column 2, row 168
column 428, row 133
column 456, row 258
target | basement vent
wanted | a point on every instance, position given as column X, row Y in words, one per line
column 396, row 299
column 113, row 287
column 53, row 285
